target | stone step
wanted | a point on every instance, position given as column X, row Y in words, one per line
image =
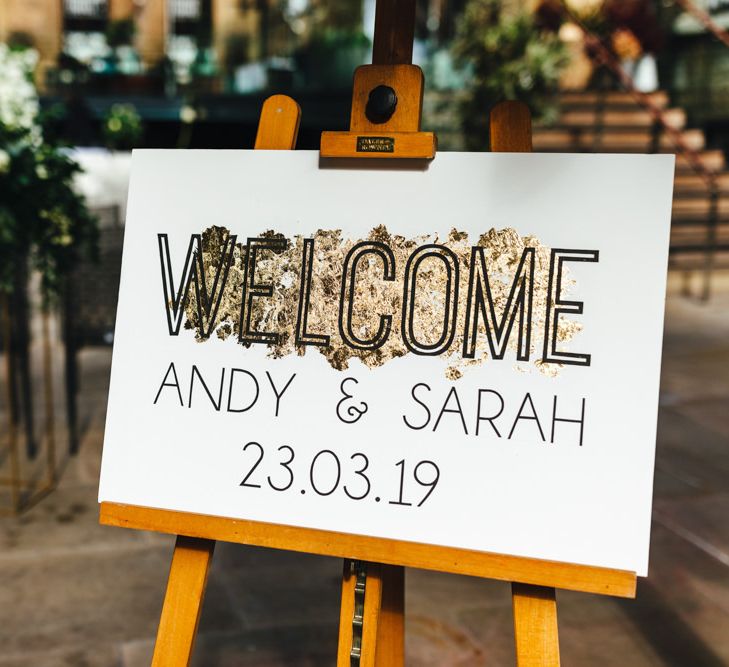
column 698, row 235
column 687, row 259
column 691, row 182
column 713, row 160
column 692, row 208
column 688, row 194
column 609, row 98
column 632, row 118
column 633, row 141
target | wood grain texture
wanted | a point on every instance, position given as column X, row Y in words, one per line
column 394, row 32
column 391, row 625
column 535, row 626
column 372, row 622
column 392, row 552
column 183, row 602
column 403, row 128
column 510, row 125
column 413, row 145
column 406, row 80
column 278, row 127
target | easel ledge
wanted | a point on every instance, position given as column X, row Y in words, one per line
column 583, row 578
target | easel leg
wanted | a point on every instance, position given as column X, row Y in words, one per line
column 359, row 614
column 391, row 626
column 372, row 615
column 277, row 130
column 183, row 602
column 346, row 614
column 535, row 626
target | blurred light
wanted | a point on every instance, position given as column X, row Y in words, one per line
column 570, row 32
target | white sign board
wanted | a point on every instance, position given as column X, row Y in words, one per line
column 465, row 355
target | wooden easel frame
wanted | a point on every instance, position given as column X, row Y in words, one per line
column 373, row 577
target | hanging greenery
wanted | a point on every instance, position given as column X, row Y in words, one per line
column 42, row 218
column 508, row 57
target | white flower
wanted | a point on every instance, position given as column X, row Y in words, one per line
column 41, row 171
column 18, row 97
column 4, row 161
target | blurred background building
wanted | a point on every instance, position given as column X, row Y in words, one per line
column 223, row 55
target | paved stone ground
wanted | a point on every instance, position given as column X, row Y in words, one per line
column 75, row 594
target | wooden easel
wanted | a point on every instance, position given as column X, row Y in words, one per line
column 371, row 630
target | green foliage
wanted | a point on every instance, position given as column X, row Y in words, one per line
column 342, row 16
column 330, row 42
column 332, row 55
column 42, row 218
column 509, row 58
column 122, row 127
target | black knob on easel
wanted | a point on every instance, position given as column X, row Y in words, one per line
column 381, row 104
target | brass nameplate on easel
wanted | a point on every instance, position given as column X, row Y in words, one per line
column 375, row 144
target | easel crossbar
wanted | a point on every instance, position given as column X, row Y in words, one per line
column 587, row 579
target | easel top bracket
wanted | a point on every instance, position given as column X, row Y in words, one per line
column 387, row 104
